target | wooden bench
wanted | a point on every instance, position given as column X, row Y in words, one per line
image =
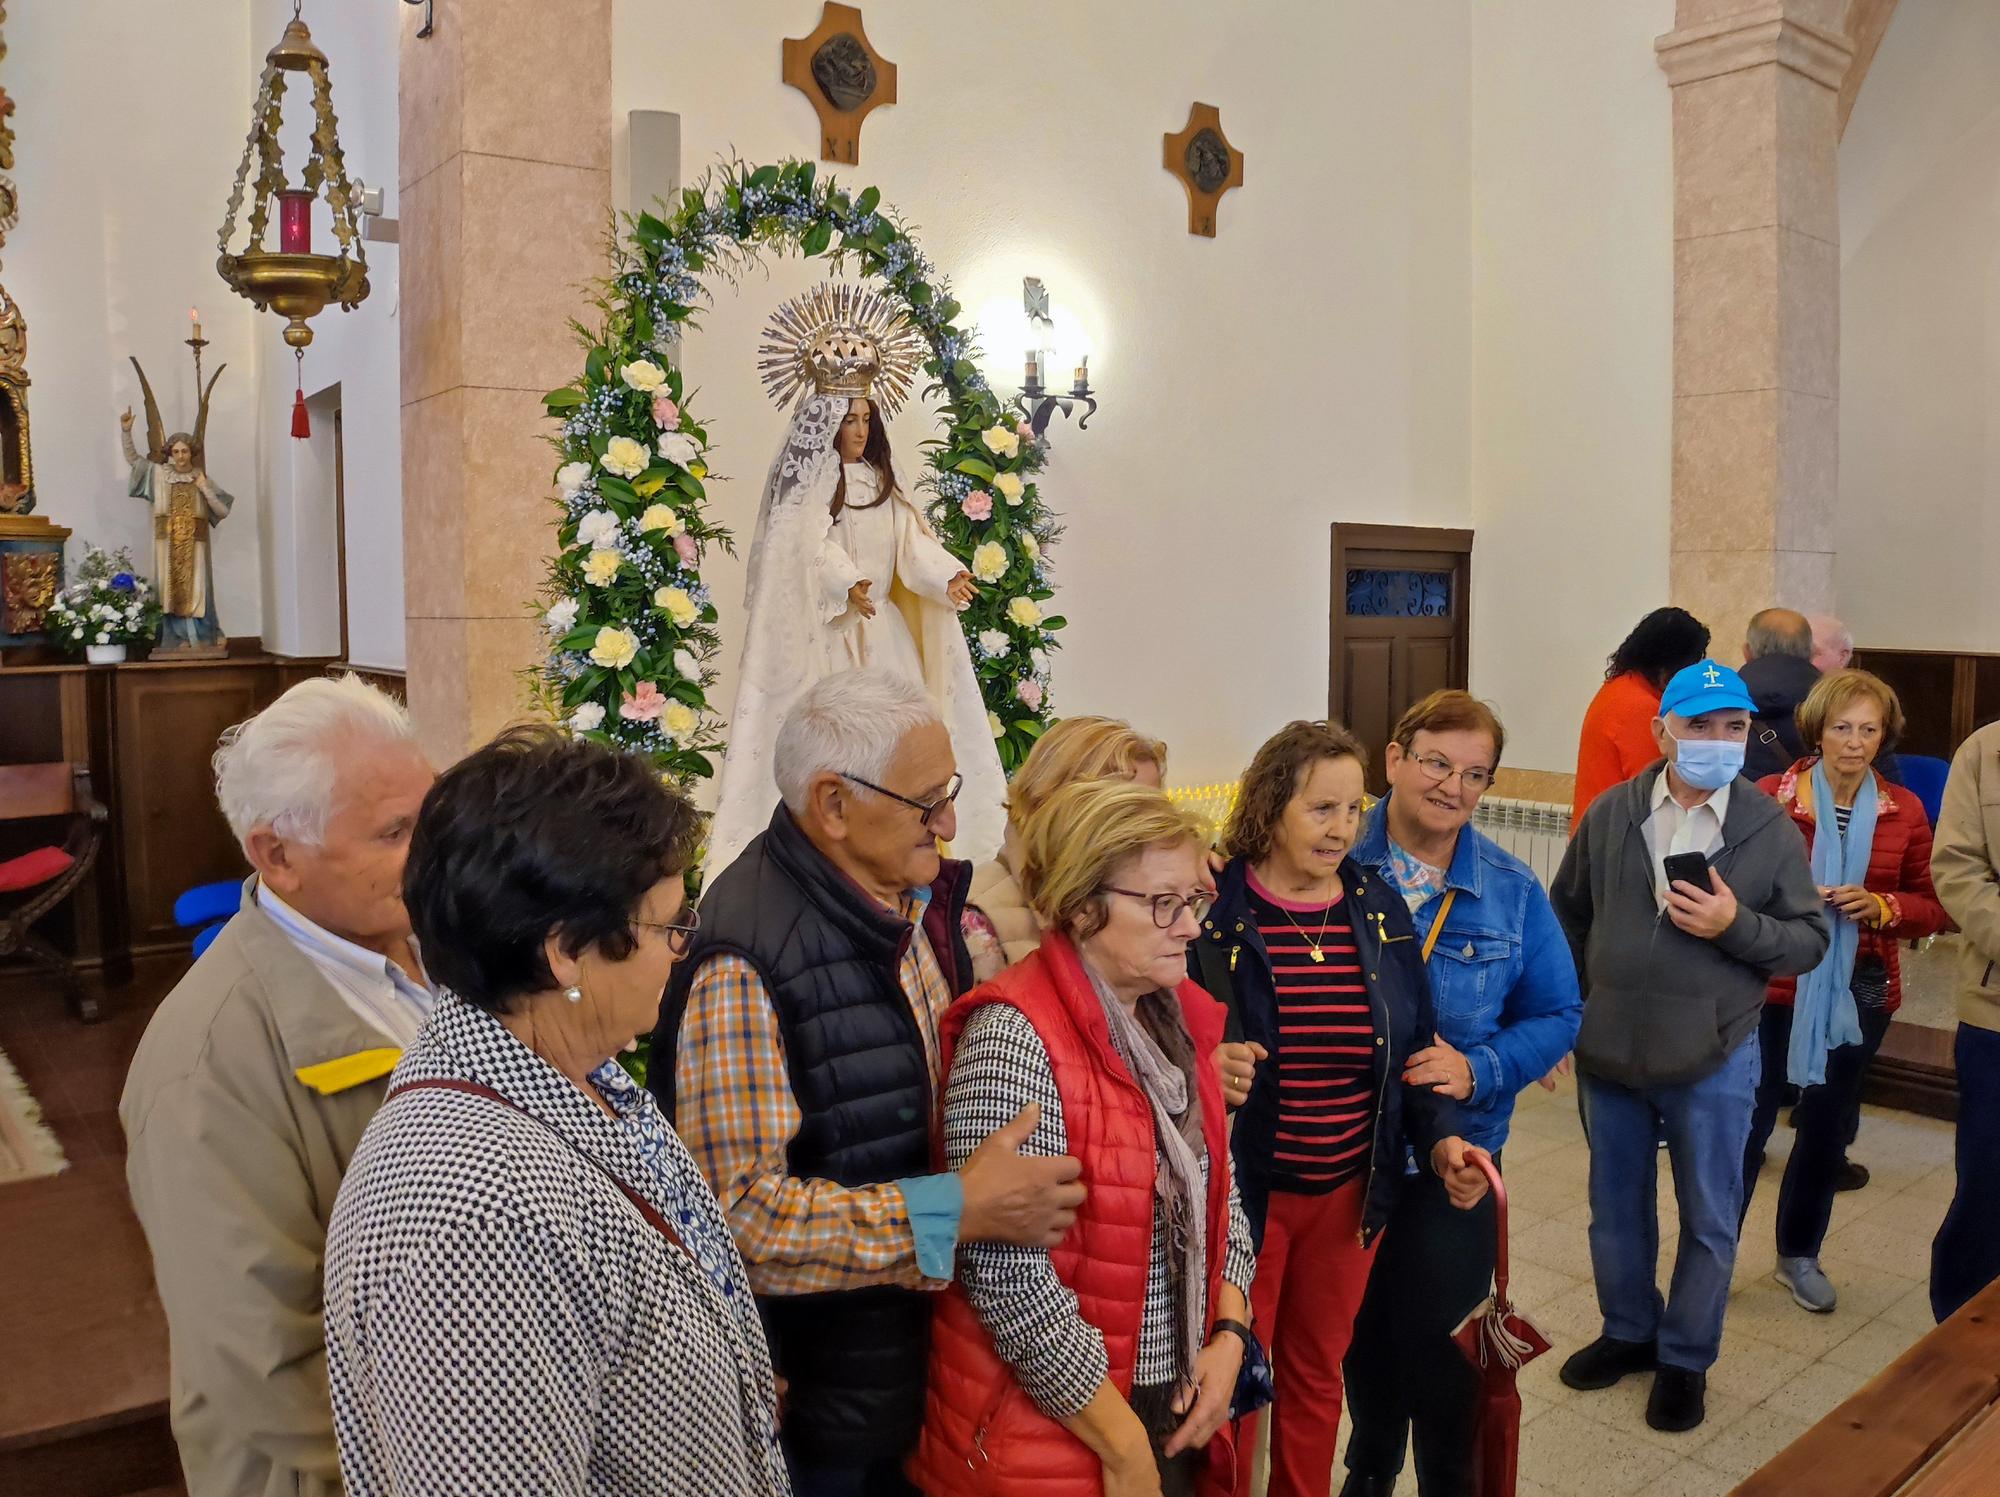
column 1927, row 1425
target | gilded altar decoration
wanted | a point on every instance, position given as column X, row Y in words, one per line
column 28, row 581
column 172, row 476
column 841, row 339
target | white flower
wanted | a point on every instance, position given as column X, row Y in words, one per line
column 994, row 725
column 103, row 638
column 687, row 665
column 1003, row 441
column 1008, row 487
column 678, row 447
column 572, row 476
column 624, row 457
column 994, row 642
column 598, row 530
column 643, row 374
column 660, row 517
column 561, row 617
column 1022, row 611
column 1039, row 661
column 600, row 567
column 676, row 604
column 989, row 561
column 615, row 647
column 587, row 718
column 1030, row 545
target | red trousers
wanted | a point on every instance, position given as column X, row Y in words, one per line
column 1310, row 1277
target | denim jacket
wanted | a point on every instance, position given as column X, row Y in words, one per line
column 1503, row 981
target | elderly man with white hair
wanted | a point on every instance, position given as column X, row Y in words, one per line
column 798, row 1056
column 259, row 1071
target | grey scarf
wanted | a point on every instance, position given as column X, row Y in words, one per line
column 1154, row 1042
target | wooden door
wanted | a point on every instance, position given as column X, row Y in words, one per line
column 1400, row 626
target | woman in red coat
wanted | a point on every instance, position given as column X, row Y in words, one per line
column 1102, row 1364
column 1821, row 1030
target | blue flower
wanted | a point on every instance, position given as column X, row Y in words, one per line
column 124, row 582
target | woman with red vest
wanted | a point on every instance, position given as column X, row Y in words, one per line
column 1316, row 956
column 1105, row 1362
column 1870, row 845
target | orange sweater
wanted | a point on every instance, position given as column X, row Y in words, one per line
column 1617, row 738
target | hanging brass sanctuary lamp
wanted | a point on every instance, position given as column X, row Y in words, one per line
column 292, row 280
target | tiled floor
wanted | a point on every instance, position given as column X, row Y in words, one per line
column 1781, row 1370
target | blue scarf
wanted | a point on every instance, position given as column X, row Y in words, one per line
column 1823, row 1016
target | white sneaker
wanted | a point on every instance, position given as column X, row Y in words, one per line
column 1811, row 1289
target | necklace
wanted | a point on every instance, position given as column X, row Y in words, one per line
column 1325, row 919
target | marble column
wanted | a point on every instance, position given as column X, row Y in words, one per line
column 505, row 179
column 1756, row 87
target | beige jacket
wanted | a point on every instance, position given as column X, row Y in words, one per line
column 244, row 1103
column 1963, row 858
column 996, row 894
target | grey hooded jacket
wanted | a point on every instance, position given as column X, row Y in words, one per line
column 1662, row 1007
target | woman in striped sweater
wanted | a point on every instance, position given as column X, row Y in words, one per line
column 1316, row 960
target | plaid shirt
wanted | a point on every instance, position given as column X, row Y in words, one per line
column 737, row 1116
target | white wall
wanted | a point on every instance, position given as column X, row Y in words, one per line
column 1307, row 366
column 1918, row 525
column 354, row 353
column 131, row 120
column 1572, row 353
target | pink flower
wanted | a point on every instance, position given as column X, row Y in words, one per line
column 1025, row 432
column 643, row 705
column 666, row 415
column 978, row 505
column 686, row 549
column 1030, row 693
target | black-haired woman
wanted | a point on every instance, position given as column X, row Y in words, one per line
column 1617, row 737
column 529, row 1286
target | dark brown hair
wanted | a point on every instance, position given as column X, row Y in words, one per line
column 1452, row 712
column 875, row 453
column 1273, row 778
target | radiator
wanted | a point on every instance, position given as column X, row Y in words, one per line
column 1536, row 832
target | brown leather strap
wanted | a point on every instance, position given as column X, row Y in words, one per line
column 473, row 1088
column 1437, row 925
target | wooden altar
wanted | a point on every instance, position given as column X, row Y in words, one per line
column 146, row 730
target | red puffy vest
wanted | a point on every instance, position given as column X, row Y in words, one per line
column 982, row 1435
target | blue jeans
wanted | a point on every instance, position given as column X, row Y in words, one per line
column 1706, row 1124
column 1965, row 1258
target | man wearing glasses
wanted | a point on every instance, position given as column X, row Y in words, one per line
column 1508, row 1005
column 798, row 1056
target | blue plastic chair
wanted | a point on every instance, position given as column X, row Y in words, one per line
column 1925, row 777
column 206, row 908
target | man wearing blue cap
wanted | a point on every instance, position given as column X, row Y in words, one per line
column 1674, row 966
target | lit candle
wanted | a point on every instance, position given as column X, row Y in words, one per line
column 1083, row 373
column 1031, row 373
column 295, row 221
column 195, row 317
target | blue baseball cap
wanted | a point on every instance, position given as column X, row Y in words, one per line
column 1705, row 687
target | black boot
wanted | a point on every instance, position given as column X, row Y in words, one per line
column 1606, row 1360
column 1850, row 1176
column 1679, row 1399
column 1361, row 1485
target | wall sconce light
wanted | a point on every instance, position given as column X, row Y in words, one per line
column 1036, row 402
column 430, row 21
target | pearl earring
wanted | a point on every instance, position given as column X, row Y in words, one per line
column 575, row 995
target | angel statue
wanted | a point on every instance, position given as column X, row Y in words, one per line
column 172, row 475
column 844, row 569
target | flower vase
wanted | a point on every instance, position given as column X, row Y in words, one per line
column 104, row 654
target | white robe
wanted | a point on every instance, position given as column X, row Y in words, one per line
column 802, row 627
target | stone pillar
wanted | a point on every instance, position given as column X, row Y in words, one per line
column 1756, row 88
column 505, row 178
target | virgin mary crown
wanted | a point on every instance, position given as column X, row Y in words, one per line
column 839, row 339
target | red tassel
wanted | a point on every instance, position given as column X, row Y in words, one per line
column 301, row 420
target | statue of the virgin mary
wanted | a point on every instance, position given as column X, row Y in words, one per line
column 844, row 570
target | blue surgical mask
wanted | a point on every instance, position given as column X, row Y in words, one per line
column 1708, row 763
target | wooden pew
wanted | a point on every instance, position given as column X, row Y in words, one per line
column 1890, row 1439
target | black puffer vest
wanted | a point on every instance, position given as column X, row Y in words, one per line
column 829, row 957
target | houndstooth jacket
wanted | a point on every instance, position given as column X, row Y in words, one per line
column 501, row 1319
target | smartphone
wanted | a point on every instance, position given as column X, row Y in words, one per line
column 1687, row 868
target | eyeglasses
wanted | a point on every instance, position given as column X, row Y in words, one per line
column 1437, row 769
column 1167, row 907
column 679, row 934
column 929, row 808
